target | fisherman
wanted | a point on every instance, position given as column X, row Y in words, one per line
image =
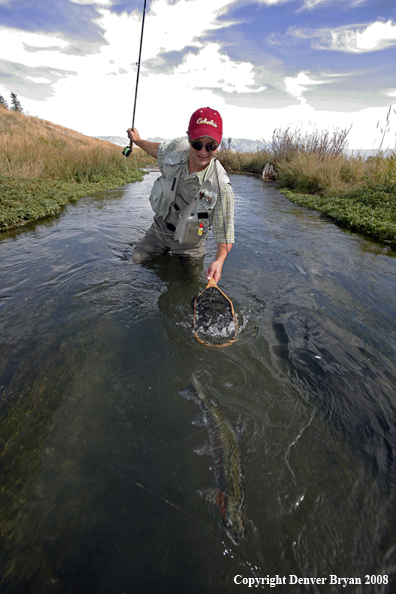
column 193, row 194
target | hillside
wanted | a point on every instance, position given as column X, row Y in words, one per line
column 29, row 145
column 43, row 166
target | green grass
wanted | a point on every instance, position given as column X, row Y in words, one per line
column 369, row 212
column 26, row 200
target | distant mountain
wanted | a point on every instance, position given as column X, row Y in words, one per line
column 237, row 144
column 367, row 152
column 244, row 145
column 115, row 140
column 157, row 139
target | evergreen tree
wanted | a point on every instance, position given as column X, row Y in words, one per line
column 15, row 103
column 3, row 102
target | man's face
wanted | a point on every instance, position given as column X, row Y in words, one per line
column 201, row 158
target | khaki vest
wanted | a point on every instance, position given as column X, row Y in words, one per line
column 186, row 212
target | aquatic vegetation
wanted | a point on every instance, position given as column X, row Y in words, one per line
column 372, row 213
column 32, row 390
column 356, row 193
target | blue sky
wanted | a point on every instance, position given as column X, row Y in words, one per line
column 265, row 64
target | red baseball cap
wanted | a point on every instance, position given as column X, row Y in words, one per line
column 206, row 122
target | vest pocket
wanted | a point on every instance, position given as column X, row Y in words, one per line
column 187, row 232
column 159, row 196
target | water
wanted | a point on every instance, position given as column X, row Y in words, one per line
column 99, row 477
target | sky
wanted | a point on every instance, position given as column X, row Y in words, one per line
column 263, row 64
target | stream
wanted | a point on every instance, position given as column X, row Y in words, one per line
column 99, row 479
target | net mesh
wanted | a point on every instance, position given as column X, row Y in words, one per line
column 215, row 322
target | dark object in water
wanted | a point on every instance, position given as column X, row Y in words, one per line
column 215, row 323
column 224, row 447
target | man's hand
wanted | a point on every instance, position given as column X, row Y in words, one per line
column 150, row 147
column 133, row 135
column 214, row 270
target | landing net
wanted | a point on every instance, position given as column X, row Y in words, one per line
column 215, row 323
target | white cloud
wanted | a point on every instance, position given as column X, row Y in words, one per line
column 311, row 4
column 376, row 36
column 186, row 22
column 352, row 39
column 93, row 83
column 211, row 69
column 13, row 42
column 38, row 79
column 298, row 85
column 96, row 92
column 99, row 2
column 272, row 2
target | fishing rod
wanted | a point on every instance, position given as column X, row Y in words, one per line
column 128, row 149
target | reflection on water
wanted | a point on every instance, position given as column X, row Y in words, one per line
column 99, row 474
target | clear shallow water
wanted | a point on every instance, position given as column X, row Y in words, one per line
column 100, row 480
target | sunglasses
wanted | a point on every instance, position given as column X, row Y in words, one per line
column 197, row 145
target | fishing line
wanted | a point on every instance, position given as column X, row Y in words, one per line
column 126, row 166
column 128, row 149
column 175, row 506
column 234, row 554
column 228, row 550
column 163, row 499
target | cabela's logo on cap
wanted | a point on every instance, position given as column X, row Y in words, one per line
column 205, row 121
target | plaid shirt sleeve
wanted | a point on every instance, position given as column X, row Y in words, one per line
column 223, row 220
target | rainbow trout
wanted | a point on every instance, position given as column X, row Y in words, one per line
column 224, row 447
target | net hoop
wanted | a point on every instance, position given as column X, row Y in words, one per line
column 212, row 284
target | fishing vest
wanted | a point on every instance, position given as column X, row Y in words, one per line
column 186, row 212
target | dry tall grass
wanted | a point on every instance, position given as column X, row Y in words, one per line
column 312, row 174
column 314, row 171
column 44, row 166
column 314, row 162
column 286, row 143
column 32, row 148
column 238, row 161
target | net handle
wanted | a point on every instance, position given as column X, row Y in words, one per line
column 211, row 283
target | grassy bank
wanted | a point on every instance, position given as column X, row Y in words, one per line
column 314, row 171
column 44, row 166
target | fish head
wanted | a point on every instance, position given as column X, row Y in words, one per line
column 234, row 525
